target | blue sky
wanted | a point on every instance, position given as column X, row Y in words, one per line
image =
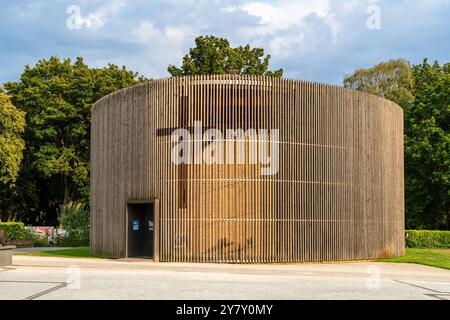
column 319, row 40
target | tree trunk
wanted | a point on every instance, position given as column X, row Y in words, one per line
column 66, row 191
column 6, row 214
column 448, row 219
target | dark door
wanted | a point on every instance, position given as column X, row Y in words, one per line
column 140, row 230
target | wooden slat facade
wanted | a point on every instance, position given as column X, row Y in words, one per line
column 338, row 194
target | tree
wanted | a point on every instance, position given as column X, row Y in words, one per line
column 424, row 93
column 392, row 80
column 215, row 56
column 427, row 148
column 57, row 96
column 75, row 219
column 12, row 125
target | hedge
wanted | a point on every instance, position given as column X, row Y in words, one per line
column 74, row 238
column 15, row 231
column 427, row 239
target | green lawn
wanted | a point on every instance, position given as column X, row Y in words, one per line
column 430, row 257
column 81, row 252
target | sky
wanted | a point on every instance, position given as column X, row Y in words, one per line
column 315, row 40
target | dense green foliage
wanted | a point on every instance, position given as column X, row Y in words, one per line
column 15, row 231
column 215, row 56
column 74, row 218
column 12, row 125
column 427, row 149
column 57, row 96
column 12, row 145
column 427, row 239
column 424, row 93
column 392, row 80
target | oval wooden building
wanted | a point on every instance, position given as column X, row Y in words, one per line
column 311, row 172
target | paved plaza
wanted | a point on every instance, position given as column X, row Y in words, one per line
column 33, row 277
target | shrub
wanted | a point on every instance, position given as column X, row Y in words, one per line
column 40, row 242
column 74, row 238
column 15, row 231
column 427, row 239
column 74, row 218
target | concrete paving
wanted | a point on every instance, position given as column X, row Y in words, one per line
column 63, row 278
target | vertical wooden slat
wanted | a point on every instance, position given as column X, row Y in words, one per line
column 338, row 194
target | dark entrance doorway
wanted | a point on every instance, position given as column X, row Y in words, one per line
column 141, row 230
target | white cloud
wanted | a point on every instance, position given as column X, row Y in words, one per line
column 282, row 14
column 160, row 46
column 147, row 33
column 349, row 6
column 286, row 25
column 282, row 46
column 310, row 39
column 93, row 20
